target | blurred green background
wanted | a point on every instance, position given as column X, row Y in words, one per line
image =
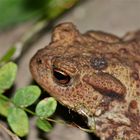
column 16, row 11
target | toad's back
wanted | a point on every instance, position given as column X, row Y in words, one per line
column 95, row 74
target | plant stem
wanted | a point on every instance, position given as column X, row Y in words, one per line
column 13, row 136
column 27, row 37
column 29, row 111
column 5, row 98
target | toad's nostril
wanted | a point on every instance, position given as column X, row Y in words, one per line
column 38, row 61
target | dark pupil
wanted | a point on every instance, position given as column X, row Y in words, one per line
column 61, row 77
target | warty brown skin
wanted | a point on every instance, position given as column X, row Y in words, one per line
column 95, row 74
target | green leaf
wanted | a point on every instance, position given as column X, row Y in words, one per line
column 26, row 96
column 7, row 76
column 4, row 106
column 44, row 125
column 46, row 107
column 8, row 56
column 18, row 121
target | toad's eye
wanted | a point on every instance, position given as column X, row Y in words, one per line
column 61, row 77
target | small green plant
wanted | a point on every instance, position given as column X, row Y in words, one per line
column 15, row 108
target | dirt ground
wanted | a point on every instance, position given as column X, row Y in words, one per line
column 114, row 16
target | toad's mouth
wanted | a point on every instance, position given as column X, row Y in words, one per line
column 98, row 110
column 82, row 110
column 85, row 112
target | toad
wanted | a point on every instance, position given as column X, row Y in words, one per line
column 97, row 75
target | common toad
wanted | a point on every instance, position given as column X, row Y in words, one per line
column 96, row 74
